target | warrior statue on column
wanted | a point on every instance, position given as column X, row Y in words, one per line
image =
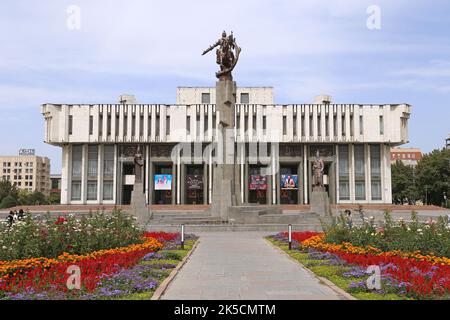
column 227, row 55
column 318, row 168
column 138, row 164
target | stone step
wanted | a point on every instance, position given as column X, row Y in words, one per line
column 180, row 214
column 235, row 228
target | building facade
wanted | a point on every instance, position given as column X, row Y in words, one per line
column 28, row 172
column 447, row 142
column 275, row 146
column 409, row 156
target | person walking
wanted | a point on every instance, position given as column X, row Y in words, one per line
column 10, row 218
column 21, row 214
column 348, row 218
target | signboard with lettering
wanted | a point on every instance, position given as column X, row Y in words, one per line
column 194, row 182
column 26, row 152
column 258, row 182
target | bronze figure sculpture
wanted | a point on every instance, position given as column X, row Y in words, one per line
column 227, row 55
column 138, row 164
column 318, row 168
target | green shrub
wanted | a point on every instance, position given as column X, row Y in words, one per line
column 428, row 238
column 31, row 238
column 8, row 202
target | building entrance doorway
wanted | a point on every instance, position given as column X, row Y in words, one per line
column 162, row 184
column 194, row 184
column 257, row 186
column 289, row 184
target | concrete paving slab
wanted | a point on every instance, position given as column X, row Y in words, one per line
column 242, row 265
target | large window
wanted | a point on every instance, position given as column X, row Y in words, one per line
column 245, row 98
column 360, row 173
column 76, row 190
column 108, row 162
column 77, row 154
column 108, row 172
column 375, row 171
column 107, row 190
column 92, row 161
column 344, row 184
column 92, row 190
column 206, row 98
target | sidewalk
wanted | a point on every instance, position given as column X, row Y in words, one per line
column 242, row 265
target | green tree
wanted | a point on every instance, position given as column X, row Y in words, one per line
column 433, row 176
column 55, row 198
column 7, row 189
column 404, row 184
column 31, row 198
column 8, row 202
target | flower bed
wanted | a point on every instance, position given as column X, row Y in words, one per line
column 35, row 236
column 43, row 274
column 131, row 272
column 405, row 273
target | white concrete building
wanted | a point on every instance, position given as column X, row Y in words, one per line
column 355, row 141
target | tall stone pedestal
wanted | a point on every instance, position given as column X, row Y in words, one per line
column 138, row 204
column 225, row 183
column 320, row 203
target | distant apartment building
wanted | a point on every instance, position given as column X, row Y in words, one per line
column 409, row 156
column 27, row 172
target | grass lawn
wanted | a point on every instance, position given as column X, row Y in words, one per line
column 333, row 273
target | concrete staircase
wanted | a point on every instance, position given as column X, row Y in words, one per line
column 250, row 219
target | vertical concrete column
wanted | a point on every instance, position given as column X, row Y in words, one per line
column 121, row 122
column 331, row 121
column 205, row 183
column 66, row 171
column 210, row 174
column 339, row 122
column 182, row 180
column 386, row 183
column 113, row 122
column 178, row 184
column 307, row 124
column 246, row 177
column 242, row 177
column 305, row 174
column 347, row 121
column 174, row 180
column 337, row 174
column 276, row 174
column 116, row 179
column 147, row 159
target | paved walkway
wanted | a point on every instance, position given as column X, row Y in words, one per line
column 242, row 265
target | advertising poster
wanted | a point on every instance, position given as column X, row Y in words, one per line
column 194, row 182
column 289, row 182
column 258, row 182
column 163, row 181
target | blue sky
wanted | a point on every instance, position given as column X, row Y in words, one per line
column 148, row 48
